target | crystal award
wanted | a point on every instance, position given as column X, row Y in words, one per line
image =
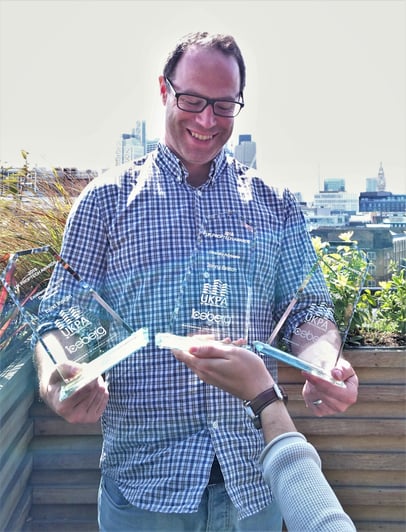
column 345, row 274
column 87, row 329
column 214, row 300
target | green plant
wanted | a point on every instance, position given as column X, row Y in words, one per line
column 366, row 317
column 345, row 269
column 390, row 314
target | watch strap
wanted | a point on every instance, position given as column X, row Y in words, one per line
column 264, row 399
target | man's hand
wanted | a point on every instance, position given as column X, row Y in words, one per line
column 86, row 405
column 324, row 398
column 236, row 370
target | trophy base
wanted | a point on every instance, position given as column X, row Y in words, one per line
column 183, row 343
column 296, row 362
column 104, row 362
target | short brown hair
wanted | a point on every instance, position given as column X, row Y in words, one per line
column 224, row 43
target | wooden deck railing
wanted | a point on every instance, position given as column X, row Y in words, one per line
column 16, row 435
column 54, row 485
column 364, row 450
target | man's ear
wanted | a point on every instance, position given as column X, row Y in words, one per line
column 162, row 89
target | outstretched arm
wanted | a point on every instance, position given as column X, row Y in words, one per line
column 291, row 465
column 241, row 373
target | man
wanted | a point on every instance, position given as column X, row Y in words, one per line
column 186, row 228
column 291, row 465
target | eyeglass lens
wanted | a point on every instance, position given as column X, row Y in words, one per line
column 196, row 104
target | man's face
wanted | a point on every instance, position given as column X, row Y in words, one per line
column 196, row 138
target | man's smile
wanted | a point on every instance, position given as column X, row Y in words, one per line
column 199, row 136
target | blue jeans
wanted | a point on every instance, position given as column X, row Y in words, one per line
column 216, row 513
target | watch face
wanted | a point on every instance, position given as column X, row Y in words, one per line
column 249, row 411
column 256, row 420
column 254, row 408
column 278, row 391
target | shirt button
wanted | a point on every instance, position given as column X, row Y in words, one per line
column 215, row 424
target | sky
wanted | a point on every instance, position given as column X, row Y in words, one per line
column 325, row 95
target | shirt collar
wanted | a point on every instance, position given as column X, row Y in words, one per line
column 177, row 169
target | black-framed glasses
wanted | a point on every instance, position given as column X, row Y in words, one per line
column 196, row 104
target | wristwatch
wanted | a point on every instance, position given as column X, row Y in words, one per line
column 269, row 396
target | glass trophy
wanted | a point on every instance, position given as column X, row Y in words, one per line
column 15, row 334
column 214, row 301
column 345, row 274
column 87, row 329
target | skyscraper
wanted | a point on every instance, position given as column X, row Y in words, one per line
column 246, row 151
column 132, row 145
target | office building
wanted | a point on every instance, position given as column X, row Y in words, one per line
column 132, row 145
column 337, row 201
column 334, row 185
column 246, row 151
column 382, row 203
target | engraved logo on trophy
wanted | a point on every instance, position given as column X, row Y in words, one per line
column 349, row 279
column 215, row 294
column 88, row 330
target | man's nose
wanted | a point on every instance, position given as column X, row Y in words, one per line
column 207, row 118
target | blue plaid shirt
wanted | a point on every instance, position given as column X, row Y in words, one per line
column 133, row 235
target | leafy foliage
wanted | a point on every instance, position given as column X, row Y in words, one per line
column 389, row 317
column 377, row 318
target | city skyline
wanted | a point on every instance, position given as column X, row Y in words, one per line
column 137, row 143
column 325, row 97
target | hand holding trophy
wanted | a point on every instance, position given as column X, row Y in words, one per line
column 315, row 329
column 90, row 332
